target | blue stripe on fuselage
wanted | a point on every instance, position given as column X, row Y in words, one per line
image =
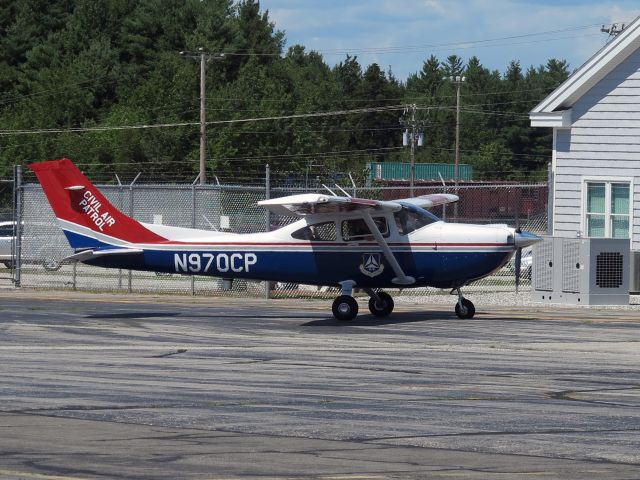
column 79, row 241
column 437, row 269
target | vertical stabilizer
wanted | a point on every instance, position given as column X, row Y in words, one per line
column 86, row 216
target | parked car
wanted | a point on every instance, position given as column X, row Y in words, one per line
column 6, row 240
column 526, row 263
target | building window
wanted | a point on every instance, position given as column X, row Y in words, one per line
column 607, row 209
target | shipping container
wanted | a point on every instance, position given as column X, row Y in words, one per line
column 423, row 171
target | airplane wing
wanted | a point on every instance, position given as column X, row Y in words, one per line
column 429, row 201
column 316, row 203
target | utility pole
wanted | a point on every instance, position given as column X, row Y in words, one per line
column 204, row 58
column 412, row 165
column 412, row 137
column 203, row 119
column 457, row 80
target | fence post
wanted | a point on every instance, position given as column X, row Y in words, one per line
column 131, row 215
column 267, row 196
column 193, row 225
column 121, row 207
column 130, row 279
column 17, row 228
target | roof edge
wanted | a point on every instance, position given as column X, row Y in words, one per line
column 593, row 70
column 558, row 119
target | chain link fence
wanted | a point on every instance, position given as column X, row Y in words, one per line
column 233, row 208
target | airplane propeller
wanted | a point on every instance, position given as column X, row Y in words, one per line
column 518, row 261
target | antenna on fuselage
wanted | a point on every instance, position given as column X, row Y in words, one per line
column 342, row 190
column 211, row 225
column 331, row 191
column 443, row 183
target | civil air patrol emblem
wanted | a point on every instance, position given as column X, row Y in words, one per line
column 371, row 264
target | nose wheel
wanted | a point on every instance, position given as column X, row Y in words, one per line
column 464, row 308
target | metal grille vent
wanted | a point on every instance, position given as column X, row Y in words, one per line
column 609, row 269
column 570, row 266
column 543, row 259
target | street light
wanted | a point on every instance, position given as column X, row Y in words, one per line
column 204, row 58
column 457, row 80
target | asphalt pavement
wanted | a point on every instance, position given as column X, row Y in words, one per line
column 154, row 387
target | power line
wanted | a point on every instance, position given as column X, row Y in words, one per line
column 412, row 48
column 189, row 124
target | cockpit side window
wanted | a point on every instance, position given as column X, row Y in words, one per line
column 409, row 220
column 357, row 229
column 320, row 232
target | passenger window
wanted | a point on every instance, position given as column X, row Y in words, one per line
column 408, row 221
column 320, row 232
column 356, row 229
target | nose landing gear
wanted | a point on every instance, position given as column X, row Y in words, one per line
column 464, row 308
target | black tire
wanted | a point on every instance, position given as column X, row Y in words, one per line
column 383, row 307
column 344, row 308
column 466, row 310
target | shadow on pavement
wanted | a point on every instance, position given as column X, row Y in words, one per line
column 367, row 320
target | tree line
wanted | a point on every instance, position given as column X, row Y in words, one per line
column 69, row 65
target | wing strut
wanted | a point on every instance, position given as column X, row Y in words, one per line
column 401, row 278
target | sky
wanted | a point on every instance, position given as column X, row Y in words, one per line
column 401, row 35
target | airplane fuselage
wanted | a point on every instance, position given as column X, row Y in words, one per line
column 439, row 255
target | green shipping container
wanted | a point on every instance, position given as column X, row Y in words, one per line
column 424, row 171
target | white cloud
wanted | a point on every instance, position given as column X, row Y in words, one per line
column 435, row 6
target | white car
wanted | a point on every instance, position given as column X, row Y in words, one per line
column 6, row 239
column 526, row 263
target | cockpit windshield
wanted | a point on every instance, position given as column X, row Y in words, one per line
column 412, row 218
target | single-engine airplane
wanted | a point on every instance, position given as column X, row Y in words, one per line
column 338, row 241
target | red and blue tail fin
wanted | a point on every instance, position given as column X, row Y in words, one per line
column 88, row 219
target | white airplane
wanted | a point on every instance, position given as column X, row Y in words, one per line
column 338, row 241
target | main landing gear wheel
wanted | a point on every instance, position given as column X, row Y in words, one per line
column 465, row 309
column 381, row 307
column 345, row 308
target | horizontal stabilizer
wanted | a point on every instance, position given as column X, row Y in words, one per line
column 85, row 255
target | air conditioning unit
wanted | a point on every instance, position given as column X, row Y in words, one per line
column 581, row 271
column 634, row 271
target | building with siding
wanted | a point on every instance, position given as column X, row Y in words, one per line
column 595, row 116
